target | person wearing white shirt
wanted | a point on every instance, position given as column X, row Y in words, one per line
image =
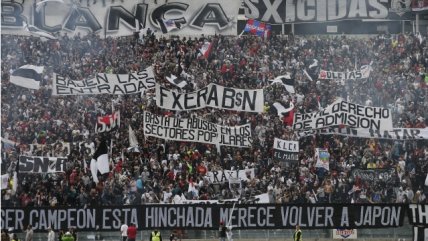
column 124, row 231
column 51, row 234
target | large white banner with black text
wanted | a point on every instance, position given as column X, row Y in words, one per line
column 212, row 95
column 401, row 134
column 363, row 73
column 39, row 164
column 262, row 198
column 347, row 114
column 102, row 83
column 196, row 130
column 109, row 18
column 226, row 175
column 289, row 11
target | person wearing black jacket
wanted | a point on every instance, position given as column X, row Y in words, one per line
column 222, row 231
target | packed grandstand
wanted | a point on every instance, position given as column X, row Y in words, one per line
column 270, row 119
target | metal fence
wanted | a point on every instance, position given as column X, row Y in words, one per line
column 401, row 233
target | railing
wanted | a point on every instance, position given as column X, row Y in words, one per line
column 401, row 233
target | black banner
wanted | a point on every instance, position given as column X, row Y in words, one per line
column 292, row 11
column 418, row 214
column 39, row 164
column 207, row 217
column 285, row 156
column 373, row 175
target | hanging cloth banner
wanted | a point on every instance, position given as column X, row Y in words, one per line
column 300, row 11
column 110, row 19
column 208, row 216
column 400, row 134
column 323, row 158
column 107, row 122
column 212, row 95
column 196, row 130
column 226, row 175
column 347, row 114
column 287, row 151
column 373, row 175
column 363, row 73
column 39, row 164
column 102, row 83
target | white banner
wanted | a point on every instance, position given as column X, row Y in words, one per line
column 107, row 122
column 55, row 148
column 344, row 234
column 300, row 11
column 286, row 150
column 196, row 130
column 212, row 95
column 225, row 175
column 323, row 158
column 117, row 84
column 402, row 134
column 363, row 73
column 345, row 113
column 5, row 181
column 39, row 164
column 108, row 18
column 262, row 198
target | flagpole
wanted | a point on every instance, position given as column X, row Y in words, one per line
column 111, row 148
column 231, row 212
column 241, row 33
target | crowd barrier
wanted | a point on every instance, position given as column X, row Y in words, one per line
column 404, row 233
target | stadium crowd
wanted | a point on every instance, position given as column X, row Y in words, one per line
column 162, row 171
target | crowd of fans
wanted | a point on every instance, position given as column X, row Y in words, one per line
column 40, row 124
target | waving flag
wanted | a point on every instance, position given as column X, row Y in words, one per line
column 133, row 142
column 206, row 49
column 99, row 161
column 27, row 76
column 177, row 81
column 312, row 70
column 286, row 80
column 34, row 31
column 108, row 122
column 258, row 28
column 168, row 25
column 281, row 109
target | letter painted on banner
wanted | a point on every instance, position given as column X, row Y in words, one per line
column 214, row 96
column 109, row 19
column 286, row 150
column 208, row 216
column 196, row 130
column 298, row 11
column 399, row 134
column 38, row 164
column 348, row 114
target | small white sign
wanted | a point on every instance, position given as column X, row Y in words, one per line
column 344, row 233
column 331, row 28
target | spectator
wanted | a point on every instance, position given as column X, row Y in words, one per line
column 38, row 124
column 51, row 234
column 222, row 231
column 132, row 232
column 124, row 231
column 155, row 236
column 67, row 237
column 29, row 233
